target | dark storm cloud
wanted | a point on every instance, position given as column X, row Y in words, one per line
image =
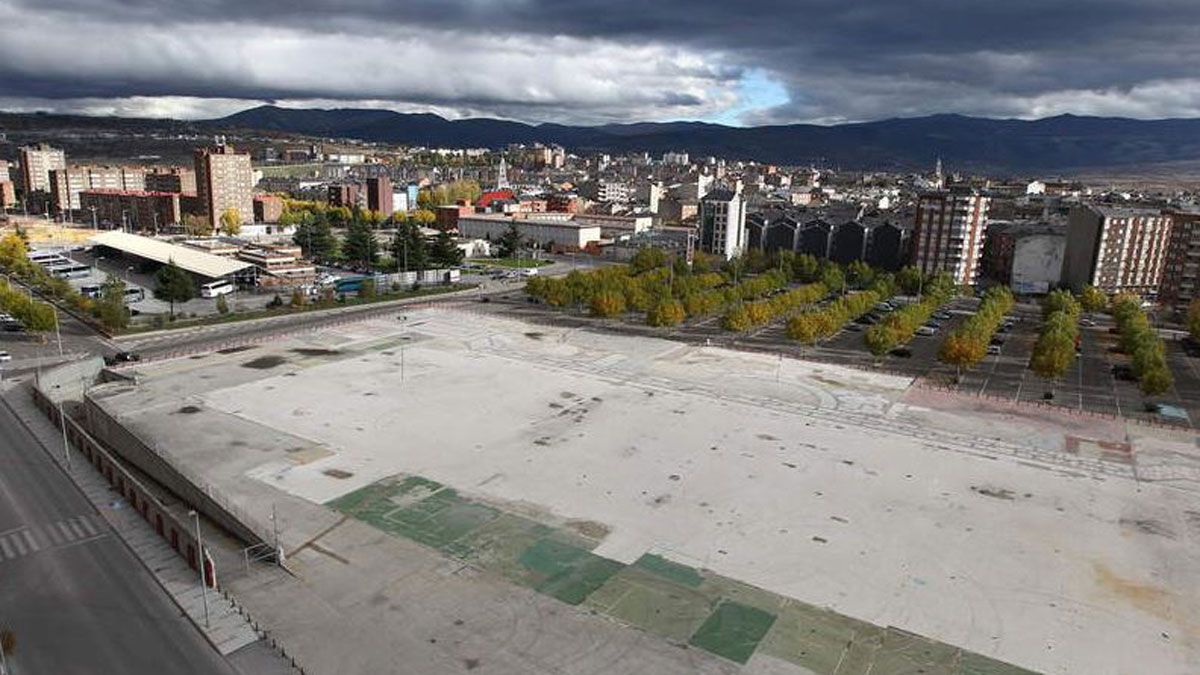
column 619, row 59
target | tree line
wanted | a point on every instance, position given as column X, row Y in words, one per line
column 966, row 345
column 898, row 327
column 1147, row 353
column 1055, row 349
column 817, row 324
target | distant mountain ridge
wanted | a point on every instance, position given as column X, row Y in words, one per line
column 1055, row 143
column 1065, row 144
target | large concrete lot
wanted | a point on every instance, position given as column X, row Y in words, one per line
column 1055, row 542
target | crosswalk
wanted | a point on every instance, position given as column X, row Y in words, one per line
column 31, row 539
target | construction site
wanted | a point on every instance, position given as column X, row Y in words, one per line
column 454, row 490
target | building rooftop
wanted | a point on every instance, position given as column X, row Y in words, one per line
column 194, row 261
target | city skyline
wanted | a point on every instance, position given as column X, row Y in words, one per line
column 772, row 63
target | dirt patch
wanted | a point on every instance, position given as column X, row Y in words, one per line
column 190, row 409
column 589, row 528
column 1148, row 526
column 265, row 362
column 1149, row 599
column 235, row 350
column 994, row 492
column 337, row 473
column 314, row 351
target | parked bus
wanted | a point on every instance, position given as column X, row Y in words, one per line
column 216, row 289
column 72, row 271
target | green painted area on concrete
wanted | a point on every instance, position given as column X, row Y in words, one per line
column 565, row 571
column 726, row 617
column 733, row 630
column 688, row 576
column 654, row 603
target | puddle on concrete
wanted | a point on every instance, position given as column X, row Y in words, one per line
column 265, row 362
column 235, row 350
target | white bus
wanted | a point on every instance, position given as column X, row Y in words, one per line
column 216, row 289
column 73, row 271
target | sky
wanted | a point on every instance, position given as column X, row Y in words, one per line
column 597, row 62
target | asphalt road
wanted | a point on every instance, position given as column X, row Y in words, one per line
column 76, row 598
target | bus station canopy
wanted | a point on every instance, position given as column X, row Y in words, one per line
column 197, row 262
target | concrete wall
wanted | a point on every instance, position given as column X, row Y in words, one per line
column 1037, row 263
column 137, row 452
column 180, row 534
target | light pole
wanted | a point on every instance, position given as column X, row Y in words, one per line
column 200, row 565
column 93, row 210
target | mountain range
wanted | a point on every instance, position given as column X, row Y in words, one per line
column 1062, row 143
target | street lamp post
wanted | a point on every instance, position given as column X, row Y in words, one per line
column 200, row 565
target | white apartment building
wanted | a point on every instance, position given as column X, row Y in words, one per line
column 722, row 219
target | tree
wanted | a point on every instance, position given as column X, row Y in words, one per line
column 510, row 242
column 423, row 217
column 665, row 312
column 12, row 250
column 806, row 268
column 608, row 304
column 445, row 252
column 1060, row 301
column 1155, row 381
column 231, row 222
column 367, row 289
column 409, row 249
column 648, row 258
column 173, row 285
column 299, row 299
column 110, row 307
column 833, row 277
column 963, row 350
column 859, row 274
column 315, row 238
column 909, row 280
column 222, row 306
column 1093, row 299
column 196, row 226
column 360, row 247
column 1193, row 319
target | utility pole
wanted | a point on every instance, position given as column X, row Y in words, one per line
column 200, row 565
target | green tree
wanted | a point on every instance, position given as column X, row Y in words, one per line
column 360, row 247
column 110, row 307
column 1093, row 299
column 315, row 238
column 510, row 242
column 445, row 252
column 859, row 274
column 423, row 217
column 1155, row 381
column 648, row 258
column 173, row 285
column 409, row 248
column 222, row 305
column 833, row 277
column 806, row 268
column 909, row 280
column 1193, row 319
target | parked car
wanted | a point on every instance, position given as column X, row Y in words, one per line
column 926, row 331
column 902, row 352
column 854, row 327
column 1087, row 322
column 5, row 357
column 944, row 316
column 997, row 340
column 993, row 349
column 122, row 357
column 1122, row 371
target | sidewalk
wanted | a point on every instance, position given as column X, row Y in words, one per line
column 229, row 631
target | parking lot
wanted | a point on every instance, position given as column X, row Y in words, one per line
column 1089, row 384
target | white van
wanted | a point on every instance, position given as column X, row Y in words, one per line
column 215, row 289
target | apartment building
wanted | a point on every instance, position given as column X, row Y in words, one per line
column 139, row 211
column 722, row 219
column 68, row 182
column 224, row 181
column 173, row 179
column 1116, row 249
column 1181, row 270
column 379, row 195
column 948, row 233
column 37, row 161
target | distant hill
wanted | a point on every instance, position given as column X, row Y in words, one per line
column 1066, row 142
